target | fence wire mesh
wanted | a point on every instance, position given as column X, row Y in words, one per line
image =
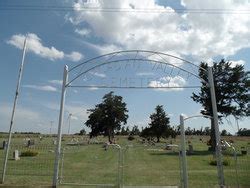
column 89, row 164
column 141, row 169
column 140, row 164
column 30, row 161
column 237, row 166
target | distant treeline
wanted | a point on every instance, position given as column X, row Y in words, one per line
column 126, row 131
column 243, row 132
column 174, row 131
column 35, row 133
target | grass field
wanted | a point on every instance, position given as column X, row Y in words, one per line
column 141, row 164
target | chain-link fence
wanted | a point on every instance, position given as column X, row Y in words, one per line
column 30, row 161
column 151, row 165
column 90, row 165
column 135, row 164
column 236, row 165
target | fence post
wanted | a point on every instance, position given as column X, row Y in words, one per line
column 183, row 153
column 59, row 134
column 216, row 128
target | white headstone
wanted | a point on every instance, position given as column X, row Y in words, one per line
column 16, row 155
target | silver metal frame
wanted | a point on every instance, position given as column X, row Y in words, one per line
column 59, row 134
column 216, row 127
column 183, row 148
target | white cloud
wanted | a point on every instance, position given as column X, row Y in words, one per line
column 184, row 115
column 144, row 74
column 42, row 88
column 25, row 118
column 167, row 81
column 101, row 75
column 56, row 82
column 104, row 49
column 83, row 32
column 93, row 88
column 74, row 56
column 201, row 35
column 239, row 62
column 20, row 112
column 78, row 112
column 74, row 117
column 34, row 45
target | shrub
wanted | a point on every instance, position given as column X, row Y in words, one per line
column 130, row 137
column 213, row 162
column 29, row 153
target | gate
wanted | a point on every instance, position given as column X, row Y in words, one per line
column 175, row 68
column 90, row 164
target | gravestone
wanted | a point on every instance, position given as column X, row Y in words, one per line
column 30, row 143
column 16, row 155
column 190, row 149
column 4, row 145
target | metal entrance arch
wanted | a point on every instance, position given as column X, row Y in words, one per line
column 73, row 74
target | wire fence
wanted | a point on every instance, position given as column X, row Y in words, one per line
column 30, row 161
column 94, row 164
column 237, row 166
column 141, row 169
column 89, row 165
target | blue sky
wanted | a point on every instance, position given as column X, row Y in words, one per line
column 60, row 33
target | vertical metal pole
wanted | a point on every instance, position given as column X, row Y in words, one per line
column 119, row 168
column 13, row 111
column 59, row 134
column 183, row 153
column 51, row 123
column 61, row 176
column 216, row 128
column 69, row 123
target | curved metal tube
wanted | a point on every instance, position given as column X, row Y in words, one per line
column 147, row 60
column 130, row 51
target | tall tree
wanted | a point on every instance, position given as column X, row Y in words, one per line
column 135, row 130
column 108, row 116
column 159, row 124
column 231, row 88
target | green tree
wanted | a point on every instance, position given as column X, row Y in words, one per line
column 108, row 116
column 135, row 130
column 124, row 131
column 159, row 124
column 231, row 87
column 82, row 132
column 224, row 132
column 146, row 133
column 243, row 132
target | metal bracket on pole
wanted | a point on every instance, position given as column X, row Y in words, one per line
column 60, row 123
column 183, row 153
column 216, row 128
column 13, row 111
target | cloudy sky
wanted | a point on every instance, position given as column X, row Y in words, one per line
column 71, row 32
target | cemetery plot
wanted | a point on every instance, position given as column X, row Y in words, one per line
column 143, row 164
column 151, row 165
column 89, row 164
column 29, row 162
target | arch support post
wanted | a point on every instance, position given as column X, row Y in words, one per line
column 216, row 128
column 60, row 123
column 183, row 154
